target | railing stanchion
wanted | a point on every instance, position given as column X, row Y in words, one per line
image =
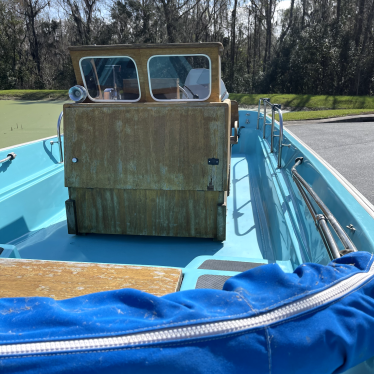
column 272, row 129
column 277, row 107
column 264, row 122
column 59, row 136
column 274, row 107
column 258, row 114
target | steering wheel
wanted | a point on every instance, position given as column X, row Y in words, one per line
column 184, row 93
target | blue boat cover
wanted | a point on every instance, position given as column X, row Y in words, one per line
column 327, row 338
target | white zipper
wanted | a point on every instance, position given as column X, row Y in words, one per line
column 195, row 331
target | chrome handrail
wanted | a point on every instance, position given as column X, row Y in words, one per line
column 9, row 157
column 259, row 111
column 274, row 107
column 265, row 101
column 322, row 218
column 59, row 137
column 277, row 107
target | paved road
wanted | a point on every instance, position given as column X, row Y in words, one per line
column 348, row 147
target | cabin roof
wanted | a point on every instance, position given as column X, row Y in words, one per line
column 147, row 46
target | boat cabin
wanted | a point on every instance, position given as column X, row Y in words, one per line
column 148, row 150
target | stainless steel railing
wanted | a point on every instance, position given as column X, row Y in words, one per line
column 321, row 220
column 59, row 142
column 274, row 108
column 259, row 111
column 9, row 157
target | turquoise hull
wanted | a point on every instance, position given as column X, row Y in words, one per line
column 267, row 220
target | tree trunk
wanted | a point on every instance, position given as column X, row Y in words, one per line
column 268, row 15
column 233, row 40
column 254, row 52
column 338, row 10
column 359, row 22
column 368, row 27
column 169, row 12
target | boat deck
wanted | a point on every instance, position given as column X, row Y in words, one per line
column 243, row 229
column 247, row 238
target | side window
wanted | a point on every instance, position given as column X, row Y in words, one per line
column 110, row 78
column 179, row 77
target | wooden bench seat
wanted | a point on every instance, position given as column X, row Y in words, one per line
column 63, row 280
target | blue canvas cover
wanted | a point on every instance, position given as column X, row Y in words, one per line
column 287, row 333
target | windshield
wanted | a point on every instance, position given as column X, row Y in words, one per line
column 110, row 78
column 179, row 77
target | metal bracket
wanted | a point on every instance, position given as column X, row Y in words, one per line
column 344, row 252
column 12, row 156
column 213, row 161
column 9, row 157
column 351, row 227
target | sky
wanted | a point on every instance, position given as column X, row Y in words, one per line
column 58, row 13
column 284, row 4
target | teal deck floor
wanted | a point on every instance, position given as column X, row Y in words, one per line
column 243, row 229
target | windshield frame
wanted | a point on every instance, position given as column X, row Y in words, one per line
column 181, row 55
column 110, row 101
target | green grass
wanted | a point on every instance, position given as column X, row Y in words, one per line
column 309, row 101
column 24, row 121
column 320, row 114
column 301, row 101
column 34, row 95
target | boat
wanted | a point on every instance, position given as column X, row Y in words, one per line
column 156, row 181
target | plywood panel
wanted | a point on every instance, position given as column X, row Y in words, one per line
column 147, row 146
column 62, row 280
column 142, row 52
column 147, row 212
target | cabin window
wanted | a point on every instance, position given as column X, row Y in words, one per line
column 179, row 77
column 110, row 78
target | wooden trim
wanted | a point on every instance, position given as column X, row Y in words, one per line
column 62, row 280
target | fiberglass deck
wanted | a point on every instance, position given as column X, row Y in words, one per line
column 247, row 235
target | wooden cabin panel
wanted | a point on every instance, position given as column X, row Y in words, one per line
column 149, row 212
column 147, row 146
column 142, row 52
column 63, row 280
